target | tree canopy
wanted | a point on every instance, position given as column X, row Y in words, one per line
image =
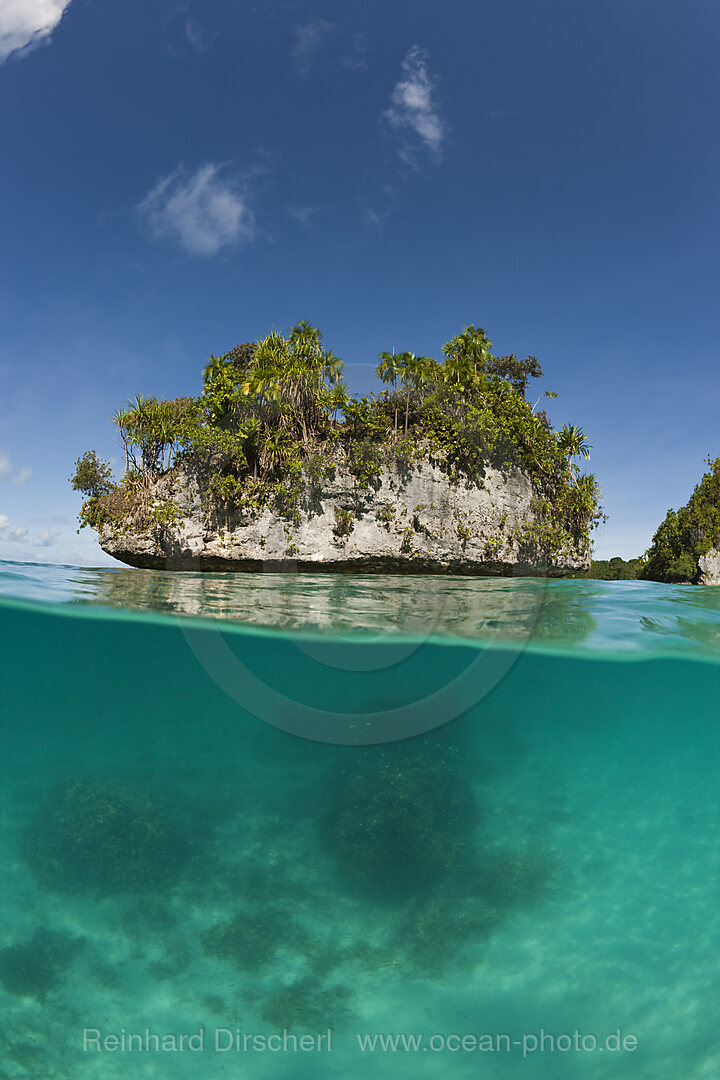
column 92, row 476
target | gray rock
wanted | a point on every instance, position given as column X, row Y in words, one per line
column 417, row 521
column 709, row 565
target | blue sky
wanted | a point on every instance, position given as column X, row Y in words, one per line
column 178, row 177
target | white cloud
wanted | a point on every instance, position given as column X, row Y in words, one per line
column 28, row 23
column 309, row 38
column 413, row 110
column 6, row 468
column 302, row 214
column 355, row 59
column 51, row 539
column 194, row 35
column 371, row 217
column 201, row 212
column 23, row 476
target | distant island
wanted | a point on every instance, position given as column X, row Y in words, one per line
column 685, row 548
column 446, row 467
column 614, row 569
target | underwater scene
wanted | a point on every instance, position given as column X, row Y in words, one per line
column 308, row 826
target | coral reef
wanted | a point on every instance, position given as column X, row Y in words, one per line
column 437, row 932
column 398, row 825
column 34, row 968
column 105, row 838
column 306, row 1003
column 511, row 878
column 250, row 939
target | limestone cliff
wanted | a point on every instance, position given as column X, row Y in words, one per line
column 709, row 567
column 417, row 520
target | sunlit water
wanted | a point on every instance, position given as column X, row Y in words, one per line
column 429, row 806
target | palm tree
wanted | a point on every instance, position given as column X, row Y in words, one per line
column 426, row 372
column 332, row 368
column 213, row 368
column 472, row 347
column 572, row 441
column 415, row 372
column 304, row 346
column 305, row 334
column 389, row 370
column 338, row 400
column 460, row 372
column 331, row 400
column 271, row 354
column 410, row 367
column 455, row 372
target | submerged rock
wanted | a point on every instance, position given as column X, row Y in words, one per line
column 414, row 520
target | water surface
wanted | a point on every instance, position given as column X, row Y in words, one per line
column 541, row 856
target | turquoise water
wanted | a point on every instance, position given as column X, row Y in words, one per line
column 429, row 806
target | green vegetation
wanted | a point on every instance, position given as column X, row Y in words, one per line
column 687, row 534
column 275, row 416
column 92, row 476
column 103, row 838
column 682, row 538
column 344, row 522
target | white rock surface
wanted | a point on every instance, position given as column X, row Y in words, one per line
column 414, row 522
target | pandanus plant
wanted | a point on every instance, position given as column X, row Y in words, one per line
column 121, row 417
column 275, row 449
column 289, row 379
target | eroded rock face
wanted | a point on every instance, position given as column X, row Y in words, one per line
column 414, row 522
column 709, row 565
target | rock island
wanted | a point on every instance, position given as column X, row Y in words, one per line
column 444, row 468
